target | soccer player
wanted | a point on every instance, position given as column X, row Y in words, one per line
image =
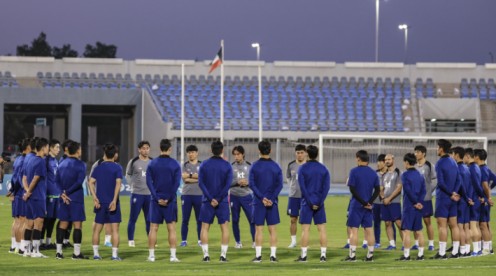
column 22, row 206
column 413, row 197
column 70, row 179
column 364, row 187
column 480, row 156
column 466, row 192
column 34, row 182
column 215, row 180
column 294, row 200
column 53, row 193
column 105, row 185
column 191, row 197
column 427, row 170
column 377, row 207
column 64, row 147
column 241, row 196
column 478, row 197
column 315, row 182
column 391, row 210
column 163, row 177
column 448, row 183
column 265, row 180
column 140, row 194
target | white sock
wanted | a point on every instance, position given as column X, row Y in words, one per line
column 151, row 253
column 223, row 250
column 59, row 248
column 13, row 242
column 258, row 251
column 462, row 249
column 442, row 248
column 107, row 238
column 48, row 240
column 352, row 251
column 18, row 246
column 370, row 251
column 173, row 252
column 475, row 246
column 417, row 243
column 431, row 242
column 36, row 246
column 467, row 248
column 323, row 251
column 293, row 239
column 364, row 242
column 304, row 252
column 66, row 241
column 273, row 250
column 456, row 247
column 114, row 252
column 406, row 252
column 205, row 250
column 348, row 241
column 485, row 245
column 95, row 250
column 421, row 251
column 77, row 249
column 392, row 243
column 490, row 245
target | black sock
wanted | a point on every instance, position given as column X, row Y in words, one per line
column 77, row 236
column 60, row 235
column 36, row 235
column 49, row 227
column 43, row 229
column 68, row 231
column 27, row 234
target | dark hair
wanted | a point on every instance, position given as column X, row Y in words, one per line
column 264, row 147
column 165, row 145
column 217, row 147
column 33, row 142
column 312, row 151
column 481, row 153
column 24, row 143
column 53, row 142
column 142, row 143
column 239, row 149
column 458, row 151
column 410, row 158
column 420, row 148
column 73, row 147
column 65, row 143
column 469, row 152
column 444, row 144
column 191, row 148
column 381, row 157
column 363, row 155
column 41, row 143
column 300, row 147
column 110, row 150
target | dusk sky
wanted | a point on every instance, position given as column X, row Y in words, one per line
column 300, row 30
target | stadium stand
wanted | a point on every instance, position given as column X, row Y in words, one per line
column 482, row 89
column 83, row 80
column 7, row 80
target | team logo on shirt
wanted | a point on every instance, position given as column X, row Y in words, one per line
column 241, row 174
column 143, row 173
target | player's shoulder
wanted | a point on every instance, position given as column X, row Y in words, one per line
column 291, row 163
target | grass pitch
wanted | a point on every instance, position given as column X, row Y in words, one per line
column 134, row 259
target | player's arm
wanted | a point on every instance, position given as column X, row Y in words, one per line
column 201, row 182
column 492, row 179
column 129, row 173
column 31, row 186
column 177, row 183
column 278, row 186
column 113, row 204
column 225, row 189
column 303, row 188
column 78, row 184
column 475, row 183
column 326, row 188
column 440, row 182
column 91, row 185
column 234, row 181
column 355, row 194
column 407, row 189
column 485, row 186
column 252, row 184
column 377, row 191
column 150, row 184
column 423, row 190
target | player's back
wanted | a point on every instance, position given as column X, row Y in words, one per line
column 364, row 179
column 36, row 167
column 414, row 183
column 70, row 177
column 266, row 177
column 447, row 173
column 215, row 173
column 106, row 175
column 465, row 177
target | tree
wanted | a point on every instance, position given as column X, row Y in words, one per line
column 39, row 47
column 100, row 50
column 65, row 51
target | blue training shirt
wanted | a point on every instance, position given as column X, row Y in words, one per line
column 364, row 179
column 37, row 167
column 163, row 177
column 106, row 175
column 70, row 178
column 16, row 175
column 475, row 177
column 265, row 180
column 52, row 165
column 413, row 189
column 214, row 178
column 466, row 187
column 315, row 182
column 447, row 178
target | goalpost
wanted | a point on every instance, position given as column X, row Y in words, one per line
column 337, row 151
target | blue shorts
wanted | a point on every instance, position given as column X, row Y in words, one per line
column 485, row 213
column 20, row 207
column 446, row 209
column 360, row 216
column 391, row 212
column 427, row 211
column 241, row 202
column 475, row 211
column 208, row 213
column 160, row 213
column 36, row 208
column 51, row 207
column 294, row 205
column 262, row 214
column 412, row 220
column 71, row 212
column 103, row 214
column 463, row 212
column 307, row 214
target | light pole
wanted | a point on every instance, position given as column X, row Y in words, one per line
column 260, row 127
column 376, row 30
column 405, row 28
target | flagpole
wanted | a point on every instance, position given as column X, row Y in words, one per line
column 182, row 114
column 222, row 92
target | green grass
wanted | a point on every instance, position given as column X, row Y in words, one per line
column 239, row 259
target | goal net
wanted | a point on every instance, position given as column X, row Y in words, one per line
column 337, row 151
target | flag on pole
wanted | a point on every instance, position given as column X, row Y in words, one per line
column 217, row 61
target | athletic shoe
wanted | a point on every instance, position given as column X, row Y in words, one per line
column 403, row 258
column 206, row 259
column 107, row 244
column 301, row 259
column 43, row 246
column 431, row 248
column 350, row 259
column 454, row 256
column 59, row 256
column 257, row 259
column 97, row 258
column 20, row 252
column 79, row 257
column 184, row 243
column 174, row 260
column 38, row 255
column 420, row 258
column 28, row 254
column 479, row 253
column 485, row 252
column 346, row 246
column 466, row 255
column 491, row 252
column 51, row 246
column 292, row 245
column 273, row 259
column 222, row 259
column 67, row 245
column 238, row 245
column 150, row 259
column 449, row 249
column 391, row 247
column 12, row 250
column 473, row 254
column 369, row 259
column 377, row 245
column 415, row 247
column 131, row 244
column 439, row 257
column 116, row 259
column 323, row 259
column 365, row 246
